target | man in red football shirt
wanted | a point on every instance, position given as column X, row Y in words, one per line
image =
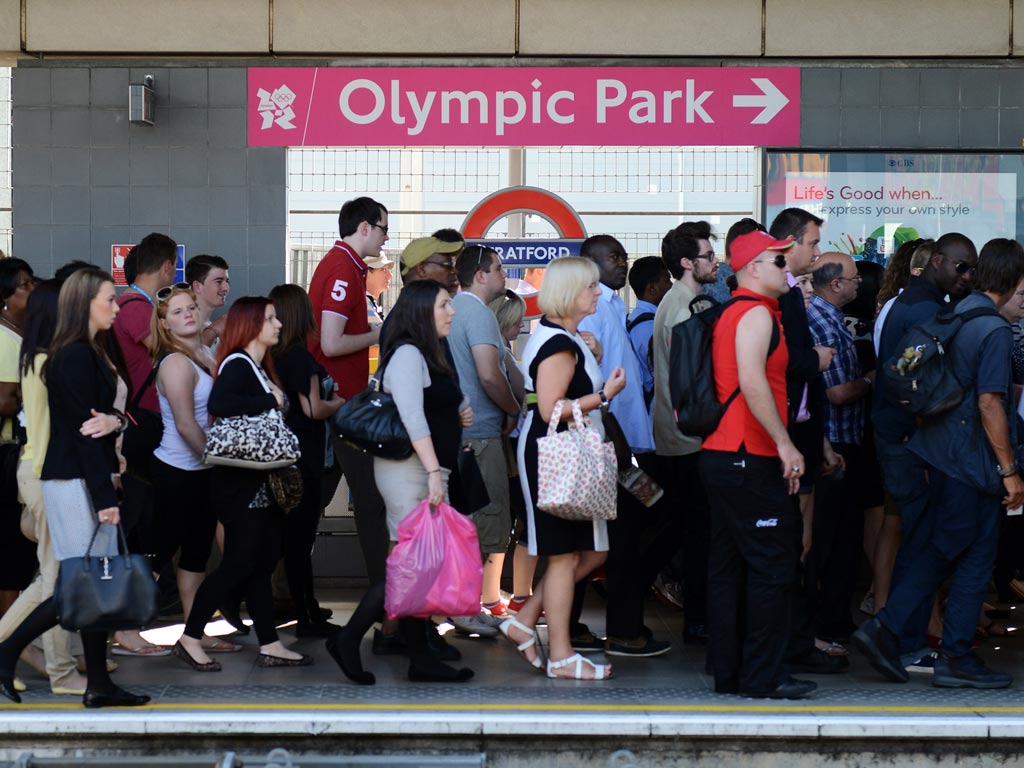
column 338, row 294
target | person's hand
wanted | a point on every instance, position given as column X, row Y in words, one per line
column 832, row 460
column 592, row 344
column 110, row 515
column 100, row 425
column 792, row 465
column 1014, row 491
column 435, row 488
column 466, row 417
column 825, row 355
column 615, row 383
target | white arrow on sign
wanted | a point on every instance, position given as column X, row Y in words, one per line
column 772, row 100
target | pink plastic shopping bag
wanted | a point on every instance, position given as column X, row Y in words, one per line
column 435, row 569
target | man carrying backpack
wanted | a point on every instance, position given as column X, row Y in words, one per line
column 949, row 272
column 649, row 281
column 750, row 468
column 972, row 474
column 688, row 254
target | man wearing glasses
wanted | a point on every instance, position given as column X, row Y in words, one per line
column 949, row 272
column 338, row 294
column 751, row 468
column 841, row 498
column 430, row 258
column 689, row 256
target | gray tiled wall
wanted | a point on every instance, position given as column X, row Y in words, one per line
column 85, row 178
column 908, row 107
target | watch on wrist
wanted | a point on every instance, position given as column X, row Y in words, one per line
column 1009, row 470
column 604, row 398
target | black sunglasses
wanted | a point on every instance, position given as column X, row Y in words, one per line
column 962, row 268
column 779, row 261
column 165, row 293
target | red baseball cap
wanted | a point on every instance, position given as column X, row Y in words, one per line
column 745, row 248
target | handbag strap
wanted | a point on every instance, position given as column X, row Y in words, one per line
column 556, row 415
column 256, row 369
column 122, row 540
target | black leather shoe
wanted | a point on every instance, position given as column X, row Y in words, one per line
column 816, row 662
column 388, row 645
column 967, row 672
column 347, row 659
column 7, row 688
column 790, row 689
column 440, row 647
column 882, row 649
column 118, row 697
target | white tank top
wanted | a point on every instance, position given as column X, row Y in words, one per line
column 173, row 449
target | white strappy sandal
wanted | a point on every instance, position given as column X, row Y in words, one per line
column 601, row 671
column 531, row 642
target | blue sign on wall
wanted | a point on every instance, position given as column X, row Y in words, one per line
column 179, row 267
column 530, row 252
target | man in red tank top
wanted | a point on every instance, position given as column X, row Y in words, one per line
column 750, row 467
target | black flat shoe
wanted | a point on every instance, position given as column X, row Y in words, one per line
column 7, row 688
column 347, row 659
column 322, row 629
column 267, row 661
column 434, row 671
column 788, row 689
column 180, row 652
column 118, row 697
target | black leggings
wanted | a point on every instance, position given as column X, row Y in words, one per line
column 184, row 516
column 252, row 547
column 300, row 535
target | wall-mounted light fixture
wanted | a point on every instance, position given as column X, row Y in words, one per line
column 140, row 102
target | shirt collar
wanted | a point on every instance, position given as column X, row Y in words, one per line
column 341, row 244
column 607, row 294
column 645, row 306
column 824, row 306
column 470, row 293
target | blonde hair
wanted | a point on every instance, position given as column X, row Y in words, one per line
column 510, row 309
column 921, row 256
column 564, row 278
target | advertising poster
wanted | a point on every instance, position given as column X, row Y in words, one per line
column 874, row 202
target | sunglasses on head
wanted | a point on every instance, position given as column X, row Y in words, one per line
column 779, row 261
column 165, row 293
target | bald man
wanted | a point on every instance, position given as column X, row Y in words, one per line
column 840, row 497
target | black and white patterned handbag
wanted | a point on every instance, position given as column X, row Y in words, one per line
column 262, row 441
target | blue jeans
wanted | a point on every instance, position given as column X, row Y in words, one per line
column 962, row 545
column 903, row 475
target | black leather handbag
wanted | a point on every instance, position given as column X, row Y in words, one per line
column 370, row 421
column 143, row 433
column 105, row 593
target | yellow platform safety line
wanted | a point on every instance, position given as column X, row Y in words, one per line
column 569, row 708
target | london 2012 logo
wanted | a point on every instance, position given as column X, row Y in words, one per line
column 276, row 107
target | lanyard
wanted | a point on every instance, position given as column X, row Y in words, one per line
column 133, row 286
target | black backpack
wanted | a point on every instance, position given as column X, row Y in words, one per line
column 919, row 377
column 691, row 375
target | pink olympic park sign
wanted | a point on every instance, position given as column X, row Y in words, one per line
column 524, row 106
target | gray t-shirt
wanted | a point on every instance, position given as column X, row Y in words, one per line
column 474, row 323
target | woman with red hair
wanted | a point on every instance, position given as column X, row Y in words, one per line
column 253, row 524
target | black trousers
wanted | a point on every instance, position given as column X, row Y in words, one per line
column 252, row 547
column 370, row 516
column 300, row 535
column 641, row 541
column 755, row 540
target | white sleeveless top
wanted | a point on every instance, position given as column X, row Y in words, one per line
column 173, row 449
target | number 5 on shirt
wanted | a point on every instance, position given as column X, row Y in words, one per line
column 338, row 293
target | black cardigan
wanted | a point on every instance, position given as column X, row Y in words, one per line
column 78, row 380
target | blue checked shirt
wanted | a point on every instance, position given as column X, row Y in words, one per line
column 843, row 423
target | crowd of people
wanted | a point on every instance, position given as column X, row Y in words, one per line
column 760, row 530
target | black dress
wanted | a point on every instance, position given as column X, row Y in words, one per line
column 554, row 535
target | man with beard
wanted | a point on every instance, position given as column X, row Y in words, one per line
column 689, row 256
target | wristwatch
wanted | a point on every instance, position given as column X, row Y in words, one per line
column 604, row 398
column 1009, row 470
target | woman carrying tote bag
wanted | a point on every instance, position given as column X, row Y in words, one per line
column 253, row 524
column 78, row 487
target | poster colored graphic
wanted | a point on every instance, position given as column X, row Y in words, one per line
column 870, row 213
